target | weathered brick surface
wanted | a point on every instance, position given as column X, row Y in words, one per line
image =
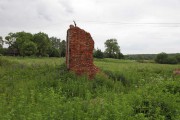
column 79, row 52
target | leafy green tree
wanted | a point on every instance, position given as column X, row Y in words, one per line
column 43, row 43
column 63, row 48
column 178, row 57
column 171, row 60
column 53, row 52
column 1, row 42
column 120, row 55
column 55, row 47
column 29, row 48
column 161, row 58
column 1, row 45
column 112, row 48
column 21, row 39
column 56, row 42
column 98, row 54
column 10, row 39
column 16, row 41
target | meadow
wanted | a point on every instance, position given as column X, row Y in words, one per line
column 42, row 89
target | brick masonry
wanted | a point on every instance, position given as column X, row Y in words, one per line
column 79, row 52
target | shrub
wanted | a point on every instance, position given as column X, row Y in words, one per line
column 161, row 58
column 53, row 52
column 98, row 54
column 171, row 60
column 120, row 55
column 177, row 58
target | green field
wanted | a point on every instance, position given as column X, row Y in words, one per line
column 42, row 89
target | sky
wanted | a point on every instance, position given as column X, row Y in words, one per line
column 140, row 26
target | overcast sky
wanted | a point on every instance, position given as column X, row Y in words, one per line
column 140, row 26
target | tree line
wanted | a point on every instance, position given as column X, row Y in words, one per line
column 40, row 44
column 164, row 58
column 28, row 44
column 161, row 58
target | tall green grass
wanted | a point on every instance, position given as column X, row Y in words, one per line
column 42, row 88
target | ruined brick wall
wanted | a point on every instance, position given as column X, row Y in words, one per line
column 79, row 52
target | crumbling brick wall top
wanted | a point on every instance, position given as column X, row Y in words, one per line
column 79, row 52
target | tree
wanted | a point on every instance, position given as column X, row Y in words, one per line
column 98, row 54
column 171, row 60
column 120, row 55
column 23, row 43
column 57, row 47
column 55, row 50
column 16, row 41
column 63, row 48
column 161, row 58
column 10, row 39
column 1, row 42
column 178, row 57
column 56, row 42
column 29, row 48
column 1, row 45
column 43, row 43
column 112, row 48
column 21, row 39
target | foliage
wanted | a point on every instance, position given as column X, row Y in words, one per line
column 177, row 56
column 22, row 40
column 58, row 48
column 163, row 58
column 42, row 88
column 63, row 48
column 10, row 39
column 28, row 49
column 112, row 48
column 56, row 42
column 43, row 43
column 39, row 44
column 140, row 56
column 53, row 52
column 120, row 55
column 1, row 46
column 171, row 60
column 98, row 54
column 16, row 41
column 1, row 42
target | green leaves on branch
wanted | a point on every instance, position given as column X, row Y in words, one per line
column 112, row 49
column 29, row 48
column 1, row 42
column 39, row 44
column 98, row 54
column 43, row 43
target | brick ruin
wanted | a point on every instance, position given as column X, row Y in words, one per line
column 79, row 52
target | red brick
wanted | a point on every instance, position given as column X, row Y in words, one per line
column 79, row 52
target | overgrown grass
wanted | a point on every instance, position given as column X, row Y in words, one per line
column 42, row 88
